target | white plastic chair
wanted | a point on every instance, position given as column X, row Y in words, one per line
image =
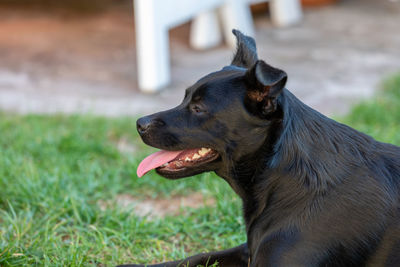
column 153, row 19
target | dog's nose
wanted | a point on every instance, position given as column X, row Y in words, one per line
column 143, row 124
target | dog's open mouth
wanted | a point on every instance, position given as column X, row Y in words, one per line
column 175, row 161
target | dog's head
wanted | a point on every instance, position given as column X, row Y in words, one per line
column 223, row 117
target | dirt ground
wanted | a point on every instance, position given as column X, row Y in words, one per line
column 158, row 207
column 62, row 62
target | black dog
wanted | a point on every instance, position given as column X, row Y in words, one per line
column 315, row 192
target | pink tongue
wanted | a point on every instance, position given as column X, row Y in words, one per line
column 156, row 160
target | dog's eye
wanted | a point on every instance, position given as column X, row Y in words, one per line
column 196, row 109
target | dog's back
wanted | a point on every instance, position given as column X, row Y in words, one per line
column 336, row 190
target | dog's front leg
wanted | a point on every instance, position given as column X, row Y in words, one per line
column 234, row 257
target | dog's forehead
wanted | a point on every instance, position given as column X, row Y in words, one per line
column 215, row 79
column 223, row 74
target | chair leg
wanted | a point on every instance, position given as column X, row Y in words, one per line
column 152, row 46
column 236, row 15
column 285, row 12
column 205, row 31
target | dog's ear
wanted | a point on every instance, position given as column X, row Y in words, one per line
column 246, row 51
column 264, row 84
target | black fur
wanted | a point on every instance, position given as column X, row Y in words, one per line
column 246, row 51
column 315, row 192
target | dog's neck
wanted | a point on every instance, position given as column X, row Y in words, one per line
column 297, row 164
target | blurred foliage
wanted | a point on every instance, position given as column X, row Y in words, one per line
column 379, row 116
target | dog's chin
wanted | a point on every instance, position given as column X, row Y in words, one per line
column 204, row 165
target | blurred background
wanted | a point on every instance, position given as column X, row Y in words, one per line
column 80, row 56
column 69, row 193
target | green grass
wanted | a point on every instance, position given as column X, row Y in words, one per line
column 380, row 116
column 55, row 170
